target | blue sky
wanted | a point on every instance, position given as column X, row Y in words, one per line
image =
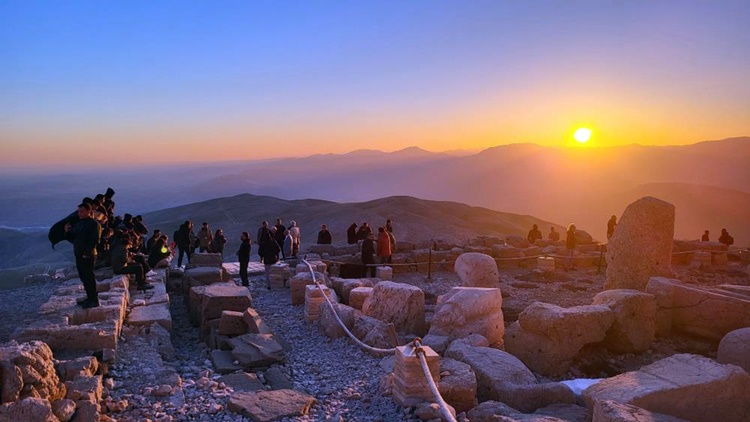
column 260, row 79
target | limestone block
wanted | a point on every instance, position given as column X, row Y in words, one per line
column 194, row 301
column 69, row 369
column 384, row 273
column 255, row 324
column 612, row 411
column 27, row 370
column 279, row 273
column 409, row 384
column 329, row 325
column 641, row 247
column 202, row 276
column 64, row 409
column 477, row 270
column 266, row 406
column 505, row 251
column 358, row 295
column 371, row 331
column 436, row 343
column 86, row 411
column 633, row 330
column 220, row 297
column 28, row 409
column 502, row 377
column 242, row 381
column 686, row 386
column 547, row 337
column 719, row 259
column 257, row 350
column 469, row 310
column 147, row 315
column 458, row 384
column 709, row 312
column 223, row 361
column 400, row 304
column 232, row 323
column 545, row 263
column 313, row 299
column 201, row 259
column 349, row 284
column 84, row 388
column 734, row 349
column 298, row 283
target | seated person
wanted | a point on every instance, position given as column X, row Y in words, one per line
column 122, row 264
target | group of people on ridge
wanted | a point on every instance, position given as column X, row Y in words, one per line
column 724, row 238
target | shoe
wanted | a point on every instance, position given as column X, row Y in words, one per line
column 150, row 273
column 82, row 301
column 88, row 304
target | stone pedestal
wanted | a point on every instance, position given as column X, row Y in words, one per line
column 384, row 273
column 409, row 384
column 313, row 299
column 279, row 274
column 358, row 295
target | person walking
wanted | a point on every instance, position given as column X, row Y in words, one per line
column 85, row 237
column 243, row 255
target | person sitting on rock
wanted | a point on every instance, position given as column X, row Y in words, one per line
column 705, row 238
column 159, row 254
column 553, row 235
column 122, row 264
column 726, row 238
column 534, row 234
column 324, row 236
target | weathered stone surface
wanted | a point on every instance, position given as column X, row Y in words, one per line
column 400, row 304
column 437, row 343
column 64, row 409
column 371, row 331
column 327, row 321
column 495, row 411
column 147, row 315
column 223, row 361
column 633, row 330
column 734, row 349
column 28, row 409
column 502, row 377
column 256, row 350
column 267, row 406
column 27, row 370
column 384, row 273
column 221, row 297
column 277, row 380
column 194, row 300
column 86, row 411
column 358, row 295
column 69, row 369
column 243, row 381
column 709, row 312
column 547, row 337
column 469, row 310
column 202, row 259
column 254, row 323
column 298, row 283
column 477, row 270
column 349, row 284
column 641, row 247
column 506, row 251
column 202, row 276
column 315, row 297
column 565, row 412
column 686, row 386
column 232, row 323
column 409, row 384
column 426, row 411
column 84, row 388
column 458, row 384
column 612, row 411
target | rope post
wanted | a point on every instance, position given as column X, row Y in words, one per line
column 410, row 386
column 429, row 265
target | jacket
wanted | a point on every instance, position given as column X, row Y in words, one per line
column 384, row 244
column 85, row 236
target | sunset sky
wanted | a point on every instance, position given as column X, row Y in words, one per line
column 175, row 81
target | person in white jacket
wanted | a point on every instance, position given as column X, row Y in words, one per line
column 294, row 232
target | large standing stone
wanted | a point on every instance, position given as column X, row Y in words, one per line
column 502, row 377
column 686, row 386
column 477, row 270
column 734, row 348
column 611, row 411
column 401, row 304
column 469, row 310
column 709, row 312
column 267, row 406
column 642, row 245
column 547, row 337
column 633, row 329
column 458, row 384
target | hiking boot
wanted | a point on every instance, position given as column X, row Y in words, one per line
column 90, row 303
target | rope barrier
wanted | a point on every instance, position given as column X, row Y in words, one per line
column 431, row 383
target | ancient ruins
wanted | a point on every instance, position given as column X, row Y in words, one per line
column 647, row 328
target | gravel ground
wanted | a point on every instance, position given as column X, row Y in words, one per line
column 21, row 306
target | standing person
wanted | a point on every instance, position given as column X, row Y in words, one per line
column 553, row 235
column 279, row 234
column 288, row 245
column 270, row 254
column 570, row 244
column 263, row 227
column 324, row 236
column 85, row 236
column 295, row 233
column 726, row 238
column 368, row 252
column 384, row 245
column 185, row 240
column 243, row 254
column 611, row 224
column 364, row 231
column 218, row 242
column 205, row 238
column 534, row 234
column 389, row 226
column 704, row 238
column 351, row 234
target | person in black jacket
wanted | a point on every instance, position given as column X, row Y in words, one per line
column 279, row 235
column 534, row 234
column 85, row 236
column 217, row 246
column 351, row 234
column 324, row 236
column 368, row 253
column 158, row 252
column 243, row 254
column 185, row 238
column 122, row 264
column 270, row 252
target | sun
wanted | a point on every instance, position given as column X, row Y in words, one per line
column 582, row 135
